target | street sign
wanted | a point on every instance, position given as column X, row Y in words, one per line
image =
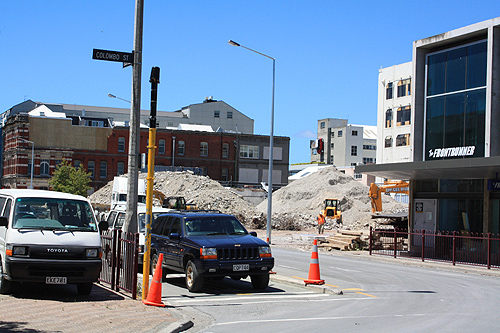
column 113, row 56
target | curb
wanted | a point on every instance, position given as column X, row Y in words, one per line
column 320, row 289
column 178, row 327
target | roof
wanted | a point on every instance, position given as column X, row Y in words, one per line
column 23, row 193
column 191, row 127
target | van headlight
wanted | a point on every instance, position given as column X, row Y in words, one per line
column 19, row 250
column 92, row 253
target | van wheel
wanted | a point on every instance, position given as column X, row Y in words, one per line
column 260, row 282
column 194, row 282
column 84, row 288
column 5, row 285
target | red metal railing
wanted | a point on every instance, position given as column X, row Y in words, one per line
column 120, row 260
column 455, row 247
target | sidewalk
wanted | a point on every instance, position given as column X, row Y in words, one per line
column 35, row 308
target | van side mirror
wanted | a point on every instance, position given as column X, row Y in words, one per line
column 103, row 225
column 253, row 233
column 4, row 221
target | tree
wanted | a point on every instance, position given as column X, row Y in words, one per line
column 69, row 179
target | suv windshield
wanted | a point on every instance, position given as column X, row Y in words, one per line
column 213, row 225
column 53, row 214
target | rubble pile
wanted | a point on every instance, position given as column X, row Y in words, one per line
column 295, row 206
column 202, row 191
column 302, row 200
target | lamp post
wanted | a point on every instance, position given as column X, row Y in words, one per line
column 32, row 158
column 113, row 96
column 271, row 144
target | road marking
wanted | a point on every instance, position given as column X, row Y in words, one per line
column 280, row 301
column 359, row 292
column 331, row 285
column 253, row 296
column 353, row 289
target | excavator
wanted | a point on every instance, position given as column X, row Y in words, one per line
column 175, row 202
column 376, row 191
column 331, row 210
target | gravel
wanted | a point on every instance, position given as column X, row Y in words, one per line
column 295, row 206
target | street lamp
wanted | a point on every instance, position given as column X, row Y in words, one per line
column 271, row 144
column 32, row 158
column 113, row 96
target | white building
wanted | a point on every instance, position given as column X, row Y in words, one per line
column 343, row 144
column 394, row 113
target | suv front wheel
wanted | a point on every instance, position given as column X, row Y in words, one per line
column 260, row 282
column 194, row 282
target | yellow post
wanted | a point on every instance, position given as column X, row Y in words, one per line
column 149, row 212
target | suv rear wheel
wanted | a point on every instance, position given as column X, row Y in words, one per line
column 153, row 264
column 194, row 282
column 260, row 282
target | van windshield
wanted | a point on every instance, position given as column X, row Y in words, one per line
column 53, row 214
column 211, row 226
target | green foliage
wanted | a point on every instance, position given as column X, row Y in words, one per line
column 69, row 179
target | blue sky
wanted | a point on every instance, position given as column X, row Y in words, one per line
column 327, row 54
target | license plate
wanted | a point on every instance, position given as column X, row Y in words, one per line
column 242, row 267
column 56, row 280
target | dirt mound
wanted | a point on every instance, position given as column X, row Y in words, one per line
column 300, row 202
column 199, row 190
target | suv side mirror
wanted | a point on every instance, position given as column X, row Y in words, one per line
column 253, row 233
column 4, row 221
column 175, row 236
column 103, row 225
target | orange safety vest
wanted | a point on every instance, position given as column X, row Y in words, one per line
column 321, row 219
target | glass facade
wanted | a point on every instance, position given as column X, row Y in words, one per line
column 456, row 102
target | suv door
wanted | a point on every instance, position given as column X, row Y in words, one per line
column 173, row 246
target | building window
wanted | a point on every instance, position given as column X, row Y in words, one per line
column 77, row 163
column 225, row 174
column 121, row 144
column 249, row 151
column 333, row 134
column 403, row 140
column 456, row 101
column 367, row 160
column 404, row 87
column 216, row 114
column 91, row 168
column 322, row 125
column 103, row 172
column 225, row 150
column 44, row 168
column 339, row 134
column 369, row 147
column 181, row 147
column 332, row 145
column 388, row 118
column 388, row 91
column 170, row 123
column 358, row 175
column 354, row 133
column 120, row 168
column 204, row 149
column 403, row 115
column 204, row 170
column 161, row 147
column 388, row 142
column 354, row 150
column 229, row 114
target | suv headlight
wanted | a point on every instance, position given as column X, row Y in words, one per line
column 265, row 251
column 208, row 253
column 92, row 253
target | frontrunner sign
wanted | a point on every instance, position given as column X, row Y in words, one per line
column 452, row 152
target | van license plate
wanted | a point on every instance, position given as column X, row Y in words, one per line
column 56, row 280
column 242, row 267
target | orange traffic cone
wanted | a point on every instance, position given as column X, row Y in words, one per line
column 314, row 267
column 154, row 295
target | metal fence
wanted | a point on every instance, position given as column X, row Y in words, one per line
column 120, row 260
column 455, row 247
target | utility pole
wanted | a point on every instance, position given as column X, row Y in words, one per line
column 135, row 119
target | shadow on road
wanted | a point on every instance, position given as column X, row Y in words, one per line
column 16, row 326
column 224, row 286
column 61, row 293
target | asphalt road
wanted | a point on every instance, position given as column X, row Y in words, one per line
column 376, row 295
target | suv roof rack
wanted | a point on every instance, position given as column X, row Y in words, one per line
column 212, row 211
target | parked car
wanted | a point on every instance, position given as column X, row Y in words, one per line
column 209, row 245
column 48, row 237
column 116, row 218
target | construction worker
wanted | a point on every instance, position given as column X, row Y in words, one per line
column 321, row 223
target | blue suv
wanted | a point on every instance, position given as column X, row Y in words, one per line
column 209, row 245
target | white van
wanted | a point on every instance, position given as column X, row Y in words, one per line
column 48, row 237
column 116, row 218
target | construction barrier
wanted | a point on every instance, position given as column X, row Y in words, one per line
column 314, row 276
